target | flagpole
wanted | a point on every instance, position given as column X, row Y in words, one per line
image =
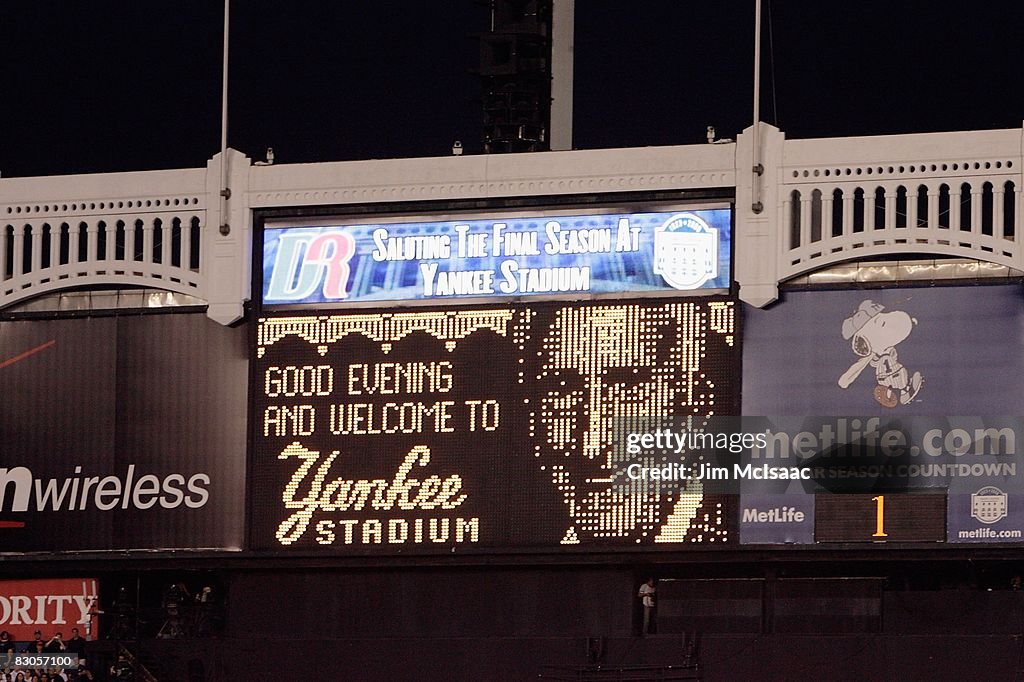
column 757, row 168
column 225, row 191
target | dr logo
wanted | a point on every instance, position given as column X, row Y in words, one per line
column 305, row 260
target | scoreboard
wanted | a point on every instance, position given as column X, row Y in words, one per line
column 411, row 396
column 906, row 480
column 561, row 427
column 915, row 391
column 901, row 517
column 483, row 428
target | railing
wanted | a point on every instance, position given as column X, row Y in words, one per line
column 826, row 201
column 132, row 668
column 125, row 228
column 955, row 194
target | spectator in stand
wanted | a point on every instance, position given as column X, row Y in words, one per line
column 6, row 646
column 122, row 669
column 76, row 645
column 56, row 644
column 31, row 648
column 646, row 594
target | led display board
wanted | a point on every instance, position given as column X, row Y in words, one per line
column 476, row 429
column 895, row 517
column 539, row 253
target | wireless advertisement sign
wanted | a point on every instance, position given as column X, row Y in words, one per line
column 123, row 432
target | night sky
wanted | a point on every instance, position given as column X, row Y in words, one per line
column 116, row 85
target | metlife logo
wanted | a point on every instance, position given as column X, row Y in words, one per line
column 781, row 514
column 777, row 519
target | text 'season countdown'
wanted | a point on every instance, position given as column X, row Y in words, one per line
column 484, row 429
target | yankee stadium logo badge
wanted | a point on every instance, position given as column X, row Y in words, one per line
column 988, row 505
column 686, row 251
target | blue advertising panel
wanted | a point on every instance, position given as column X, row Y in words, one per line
column 875, row 383
column 543, row 253
column 988, row 514
column 954, row 350
column 988, row 506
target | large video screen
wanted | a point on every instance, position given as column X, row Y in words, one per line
column 484, row 429
column 950, row 350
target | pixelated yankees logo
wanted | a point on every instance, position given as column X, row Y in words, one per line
column 874, row 334
column 686, row 251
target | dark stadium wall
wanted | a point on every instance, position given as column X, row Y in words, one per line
column 438, row 603
column 512, row 624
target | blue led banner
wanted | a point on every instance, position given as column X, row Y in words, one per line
column 500, row 256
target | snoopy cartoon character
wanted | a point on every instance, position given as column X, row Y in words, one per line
column 875, row 336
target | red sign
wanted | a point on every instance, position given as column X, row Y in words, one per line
column 49, row 606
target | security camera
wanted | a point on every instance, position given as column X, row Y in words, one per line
column 457, row 148
column 270, row 158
